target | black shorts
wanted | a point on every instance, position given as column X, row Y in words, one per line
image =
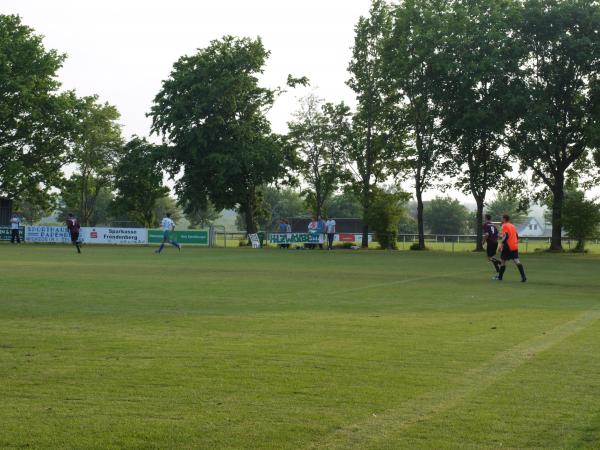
column 492, row 248
column 74, row 236
column 508, row 254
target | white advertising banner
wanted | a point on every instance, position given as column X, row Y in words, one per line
column 47, row 234
column 110, row 235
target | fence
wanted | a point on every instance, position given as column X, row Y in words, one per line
column 451, row 243
column 218, row 236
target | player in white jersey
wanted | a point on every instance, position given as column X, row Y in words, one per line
column 168, row 226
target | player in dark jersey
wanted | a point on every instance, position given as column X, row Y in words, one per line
column 73, row 226
column 490, row 239
column 509, row 248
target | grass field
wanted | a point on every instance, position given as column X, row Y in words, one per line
column 243, row 349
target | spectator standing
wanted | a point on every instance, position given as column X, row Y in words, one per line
column 15, row 225
column 312, row 230
column 330, row 227
column 288, row 230
column 281, row 230
column 321, row 231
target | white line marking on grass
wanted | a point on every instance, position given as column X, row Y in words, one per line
column 406, row 280
column 379, row 431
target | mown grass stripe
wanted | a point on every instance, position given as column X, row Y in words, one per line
column 378, row 430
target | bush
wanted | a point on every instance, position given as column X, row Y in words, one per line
column 386, row 211
column 416, row 246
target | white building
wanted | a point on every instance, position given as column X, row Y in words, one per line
column 533, row 228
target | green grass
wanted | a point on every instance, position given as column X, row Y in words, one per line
column 250, row 349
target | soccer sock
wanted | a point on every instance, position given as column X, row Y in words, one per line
column 501, row 272
column 521, row 271
column 174, row 244
column 77, row 247
column 161, row 247
column 496, row 264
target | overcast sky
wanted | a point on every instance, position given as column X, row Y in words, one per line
column 122, row 50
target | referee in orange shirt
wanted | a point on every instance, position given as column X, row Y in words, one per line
column 509, row 248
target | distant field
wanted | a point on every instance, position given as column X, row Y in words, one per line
column 250, row 349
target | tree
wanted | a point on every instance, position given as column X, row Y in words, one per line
column 167, row 204
column 312, row 136
column 96, row 145
column 385, row 213
column 581, row 217
column 34, row 212
column 559, row 98
column 203, row 218
column 344, row 205
column 408, row 223
column 477, row 71
column 410, row 59
column 212, row 111
column 369, row 150
column 504, row 203
column 444, row 215
column 277, row 204
column 34, row 117
column 139, row 181
column 103, row 212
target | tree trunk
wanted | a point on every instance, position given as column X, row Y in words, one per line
column 365, row 205
column 365, row 236
column 479, row 224
column 249, row 210
column 420, row 222
column 318, row 202
column 558, row 195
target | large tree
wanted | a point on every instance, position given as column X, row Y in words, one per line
column 477, row 69
column 444, row 215
column 412, row 88
column 212, row 109
column 34, row 117
column 581, row 217
column 506, row 203
column 103, row 213
column 368, row 150
column 203, row 218
column 344, row 205
column 314, row 139
column 139, row 181
column 559, row 98
column 278, row 203
column 96, row 145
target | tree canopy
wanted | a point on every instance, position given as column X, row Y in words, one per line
column 35, row 121
column 211, row 110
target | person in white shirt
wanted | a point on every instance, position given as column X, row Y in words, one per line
column 15, row 225
column 330, row 228
column 167, row 226
column 313, row 226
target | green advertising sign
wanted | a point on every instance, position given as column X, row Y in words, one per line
column 196, row 237
column 295, row 238
column 5, row 233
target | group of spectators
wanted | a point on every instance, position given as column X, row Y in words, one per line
column 284, row 227
column 321, row 226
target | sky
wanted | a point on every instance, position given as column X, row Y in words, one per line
column 122, row 50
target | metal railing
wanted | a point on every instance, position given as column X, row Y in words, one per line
column 452, row 243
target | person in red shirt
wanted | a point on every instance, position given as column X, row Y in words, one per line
column 73, row 226
column 509, row 248
column 490, row 239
